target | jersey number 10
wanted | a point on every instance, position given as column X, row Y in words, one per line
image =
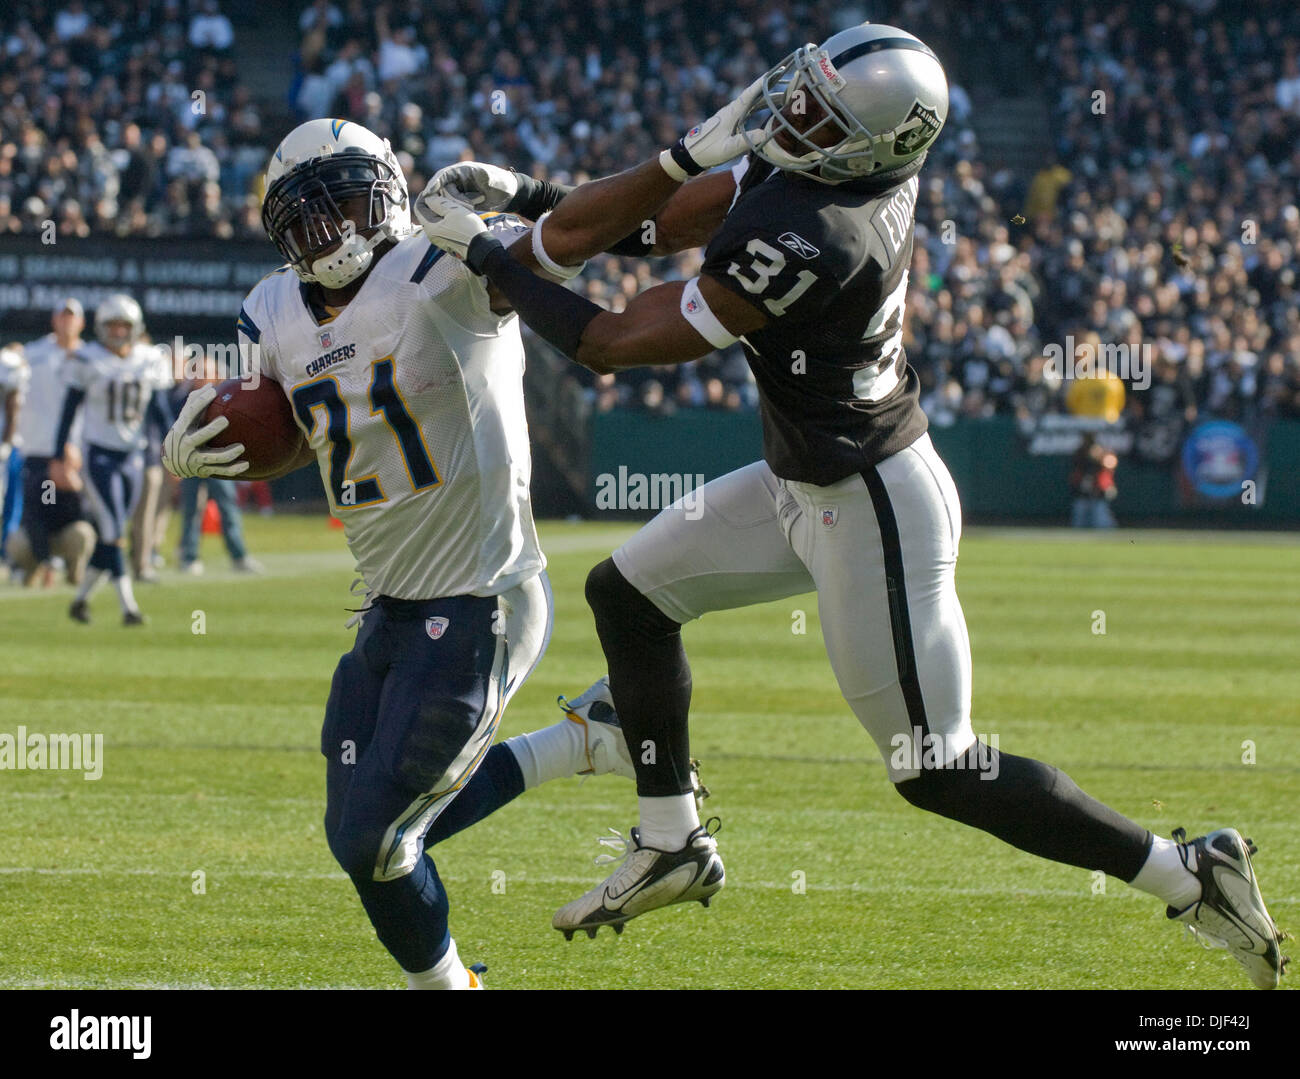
column 385, row 400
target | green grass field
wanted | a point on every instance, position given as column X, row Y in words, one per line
column 211, row 764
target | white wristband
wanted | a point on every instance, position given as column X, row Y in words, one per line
column 704, row 321
column 674, row 170
column 564, row 273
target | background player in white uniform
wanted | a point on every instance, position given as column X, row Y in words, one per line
column 409, row 387
column 45, row 518
column 808, row 248
column 117, row 380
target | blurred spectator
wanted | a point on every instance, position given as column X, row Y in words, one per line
column 1166, row 213
column 1092, row 484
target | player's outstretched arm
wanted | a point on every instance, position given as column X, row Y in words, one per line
column 600, row 214
column 604, row 214
column 688, row 219
column 671, row 323
column 655, row 327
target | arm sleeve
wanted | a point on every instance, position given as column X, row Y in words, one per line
column 71, row 402
column 552, row 311
column 158, row 414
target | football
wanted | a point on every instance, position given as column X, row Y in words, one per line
column 261, row 419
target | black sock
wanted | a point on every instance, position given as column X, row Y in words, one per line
column 1033, row 806
column 649, row 679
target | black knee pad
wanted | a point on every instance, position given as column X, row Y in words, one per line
column 355, row 850
column 982, row 776
column 938, row 790
column 616, row 603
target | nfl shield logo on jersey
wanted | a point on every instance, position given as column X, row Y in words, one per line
column 436, row 627
column 326, row 338
column 830, row 514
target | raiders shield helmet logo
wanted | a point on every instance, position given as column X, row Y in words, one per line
column 436, row 627
column 918, row 129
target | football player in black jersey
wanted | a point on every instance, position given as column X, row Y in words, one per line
column 808, row 241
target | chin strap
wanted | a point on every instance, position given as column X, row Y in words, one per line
column 359, row 257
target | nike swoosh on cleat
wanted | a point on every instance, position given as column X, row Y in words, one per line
column 625, row 895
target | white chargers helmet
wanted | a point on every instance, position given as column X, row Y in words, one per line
column 318, row 167
column 118, row 308
column 875, row 94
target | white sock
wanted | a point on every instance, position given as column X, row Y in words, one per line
column 89, row 583
column 550, row 753
column 666, row 822
column 1164, row 875
column 125, row 593
column 448, row 973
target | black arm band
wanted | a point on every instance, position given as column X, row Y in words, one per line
column 535, row 197
column 633, row 245
column 684, row 159
column 550, row 310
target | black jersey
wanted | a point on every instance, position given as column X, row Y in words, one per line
column 828, row 264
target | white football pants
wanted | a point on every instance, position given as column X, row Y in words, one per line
column 879, row 548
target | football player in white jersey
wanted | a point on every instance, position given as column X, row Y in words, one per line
column 809, row 239
column 44, row 518
column 116, row 378
column 407, row 378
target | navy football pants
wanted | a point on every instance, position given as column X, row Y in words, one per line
column 411, row 716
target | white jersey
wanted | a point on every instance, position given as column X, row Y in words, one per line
column 412, row 397
column 118, row 392
column 43, row 403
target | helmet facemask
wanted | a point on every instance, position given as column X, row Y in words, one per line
column 303, row 217
column 801, row 81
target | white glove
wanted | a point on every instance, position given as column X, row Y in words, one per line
column 183, row 452
column 485, row 187
column 715, row 141
column 448, row 223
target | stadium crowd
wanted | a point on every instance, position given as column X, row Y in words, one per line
column 1167, row 214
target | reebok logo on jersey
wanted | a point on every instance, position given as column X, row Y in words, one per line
column 798, row 245
column 436, row 627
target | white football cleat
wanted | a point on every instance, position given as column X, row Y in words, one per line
column 607, row 749
column 1230, row 913
column 647, row 880
column 476, row 973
